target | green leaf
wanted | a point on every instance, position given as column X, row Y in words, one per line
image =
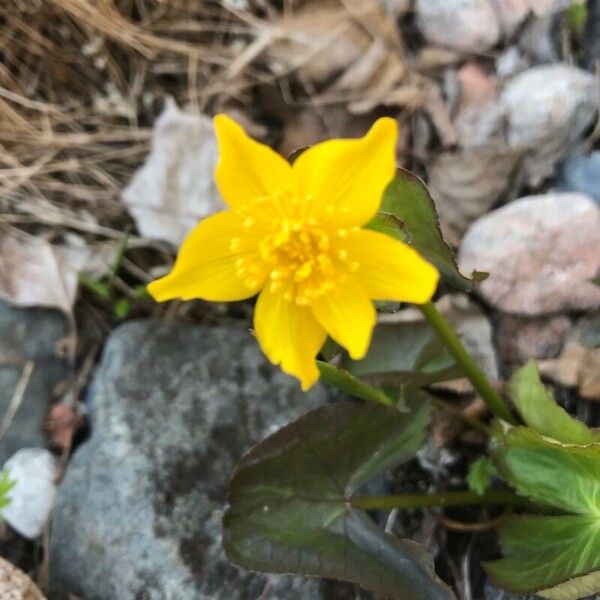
column 557, row 557
column 407, row 199
column 550, row 473
column 6, row 485
column 289, row 509
column 539, row 410
column 404, row 353
column 345, row 381
column 576, row 16
column 122, row 307
column 480, row 474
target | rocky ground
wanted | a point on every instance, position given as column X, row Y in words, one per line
column 121, row 421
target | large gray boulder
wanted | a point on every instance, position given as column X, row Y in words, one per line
column 139, row 512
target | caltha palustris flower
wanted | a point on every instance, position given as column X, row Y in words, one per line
column 294, row 234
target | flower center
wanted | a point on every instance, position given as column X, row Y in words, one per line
column 298, row 257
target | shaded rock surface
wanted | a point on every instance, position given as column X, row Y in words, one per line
column 28, row 334
column 139, row 512
column 581, row 173
column 518, row 338
column 541, row 253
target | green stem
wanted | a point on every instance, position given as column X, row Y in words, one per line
column 489, row 395
column 453, row 498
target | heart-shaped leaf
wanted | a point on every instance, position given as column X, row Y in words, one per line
column 556, row 557
column 290, row 505
column 408, row 200
column 550, row 473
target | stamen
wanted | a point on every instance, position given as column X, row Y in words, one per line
column 294, row 254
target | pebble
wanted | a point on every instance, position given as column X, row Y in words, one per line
column 518, row 339
column 540, row 252
column 31, row 499
column 549, row 108
column 470, row 25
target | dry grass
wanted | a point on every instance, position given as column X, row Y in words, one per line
column 82, row 81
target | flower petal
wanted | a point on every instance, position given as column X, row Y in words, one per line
column 347, row 177
column 391, row 270
column 247, row 171
column 348, row 315
column 206, row 265
column 289, row 335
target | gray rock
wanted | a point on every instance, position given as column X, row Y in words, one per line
column 461, row 24
column 541, row 253
column 28, row 334
column 518, row 338
column 549, row 107
column 34, row 472
column 540, row 39
column 581, row 173
column 138, row 514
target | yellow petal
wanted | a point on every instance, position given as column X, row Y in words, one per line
column 348, row 316
column 391, row 270
column 248, row 171
column 289, row 335
column 207, row 268
column 346, row 178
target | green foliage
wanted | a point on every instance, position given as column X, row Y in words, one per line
column 576, row 16
column 550, row 473
column 408, row 201
column 547, row 554
column 539, row 410
column 6, row 485
column 345, row 381
column 290, row 501
column 293, row 506
column 544, row 552
column 480, row 474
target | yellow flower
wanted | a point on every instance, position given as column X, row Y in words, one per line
column 293, row 233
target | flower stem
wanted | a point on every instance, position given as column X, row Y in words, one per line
column 452, row 498
column 489, row 395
